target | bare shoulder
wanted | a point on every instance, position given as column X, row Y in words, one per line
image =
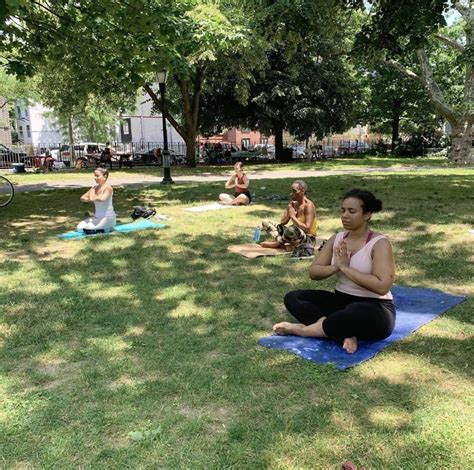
column 330, row 243
column 384, row 238
column 383, row 244
column 309, row 205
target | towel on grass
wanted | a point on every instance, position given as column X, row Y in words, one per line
column 141, row 224
column 215, row 206
column 253, row 250
column 415, row 307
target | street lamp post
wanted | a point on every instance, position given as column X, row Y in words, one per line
column 161, row 79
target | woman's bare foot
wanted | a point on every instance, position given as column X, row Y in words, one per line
column 350, row 344
column 286, row 328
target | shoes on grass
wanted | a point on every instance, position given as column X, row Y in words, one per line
column 303, row 251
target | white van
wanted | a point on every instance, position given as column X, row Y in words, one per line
column 80, row 150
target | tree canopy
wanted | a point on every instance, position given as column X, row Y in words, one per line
column 112, row 48
column 412, row 37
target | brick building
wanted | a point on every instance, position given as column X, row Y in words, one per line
column 243, row 138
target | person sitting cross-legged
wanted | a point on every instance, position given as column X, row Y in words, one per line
column 101, row 195
column 240, row 181
column 300, row 236
column 362, row 305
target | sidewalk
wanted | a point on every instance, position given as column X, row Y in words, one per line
column 148, row 180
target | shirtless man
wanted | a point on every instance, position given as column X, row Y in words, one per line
column 302, row 213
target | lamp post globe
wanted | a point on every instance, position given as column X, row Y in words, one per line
column 161, row 79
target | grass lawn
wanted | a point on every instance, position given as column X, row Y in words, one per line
column 140, row 350
column 333, row 164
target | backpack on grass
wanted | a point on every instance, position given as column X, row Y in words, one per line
column 140, row 211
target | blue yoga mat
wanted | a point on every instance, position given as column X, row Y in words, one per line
column 141, row 224
column 415, row 307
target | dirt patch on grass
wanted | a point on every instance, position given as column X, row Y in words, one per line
column 127, row 381
column 217, row 418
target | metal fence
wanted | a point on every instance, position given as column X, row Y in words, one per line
column 138, row 153
column 143, row 153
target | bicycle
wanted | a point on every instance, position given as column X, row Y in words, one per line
column 6, row 192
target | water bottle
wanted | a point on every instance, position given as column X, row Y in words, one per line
column 256, row 235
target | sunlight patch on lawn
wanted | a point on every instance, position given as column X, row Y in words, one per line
column 179, row 291
column 202, row 330
column 74, row 278
column 418, row 373
column 6, row 331
column 388, row 417
column 119, row 263
column 95, row 291
column 113, row 245
column 110, row 344
column 187, row 308
column 39, row 287
column 135, row 331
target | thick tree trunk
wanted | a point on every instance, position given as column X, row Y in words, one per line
column 71, row 139
column 188, row 130
column 396, row 108
column 190, row 139
column 278, row 132
column 461, row 144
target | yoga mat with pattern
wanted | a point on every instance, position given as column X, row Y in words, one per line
column 415, row 307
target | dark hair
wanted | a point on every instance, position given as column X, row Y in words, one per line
column 369, row 202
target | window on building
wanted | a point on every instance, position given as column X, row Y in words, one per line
column 20, row 131
column 18, row 111
column 264, row 140
column 28, row 130
column 126, row 128
column 244, row 144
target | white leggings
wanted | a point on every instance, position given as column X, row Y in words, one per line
column 92, row 223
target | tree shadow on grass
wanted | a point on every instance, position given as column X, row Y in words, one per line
column 158, row 330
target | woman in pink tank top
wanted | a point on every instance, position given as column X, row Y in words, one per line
column 361, row 306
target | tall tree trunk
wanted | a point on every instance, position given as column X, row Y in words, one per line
column 278, row 132
column 396, row 111
column 71, row 138
column 461, row 144
column 190, row 139
column 191, row 94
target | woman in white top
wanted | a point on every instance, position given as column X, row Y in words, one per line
column 361, row 306
column 101, row 195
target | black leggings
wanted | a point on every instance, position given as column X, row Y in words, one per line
column 347, row 315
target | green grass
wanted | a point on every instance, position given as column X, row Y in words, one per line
column 155, row 333
column 332, row 164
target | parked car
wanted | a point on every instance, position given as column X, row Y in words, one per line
column 11, row 155
column 349, row 147
column 148, row 157
column 328, row 151
column 298, row 152
column 82, row 149
column 265, row 151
